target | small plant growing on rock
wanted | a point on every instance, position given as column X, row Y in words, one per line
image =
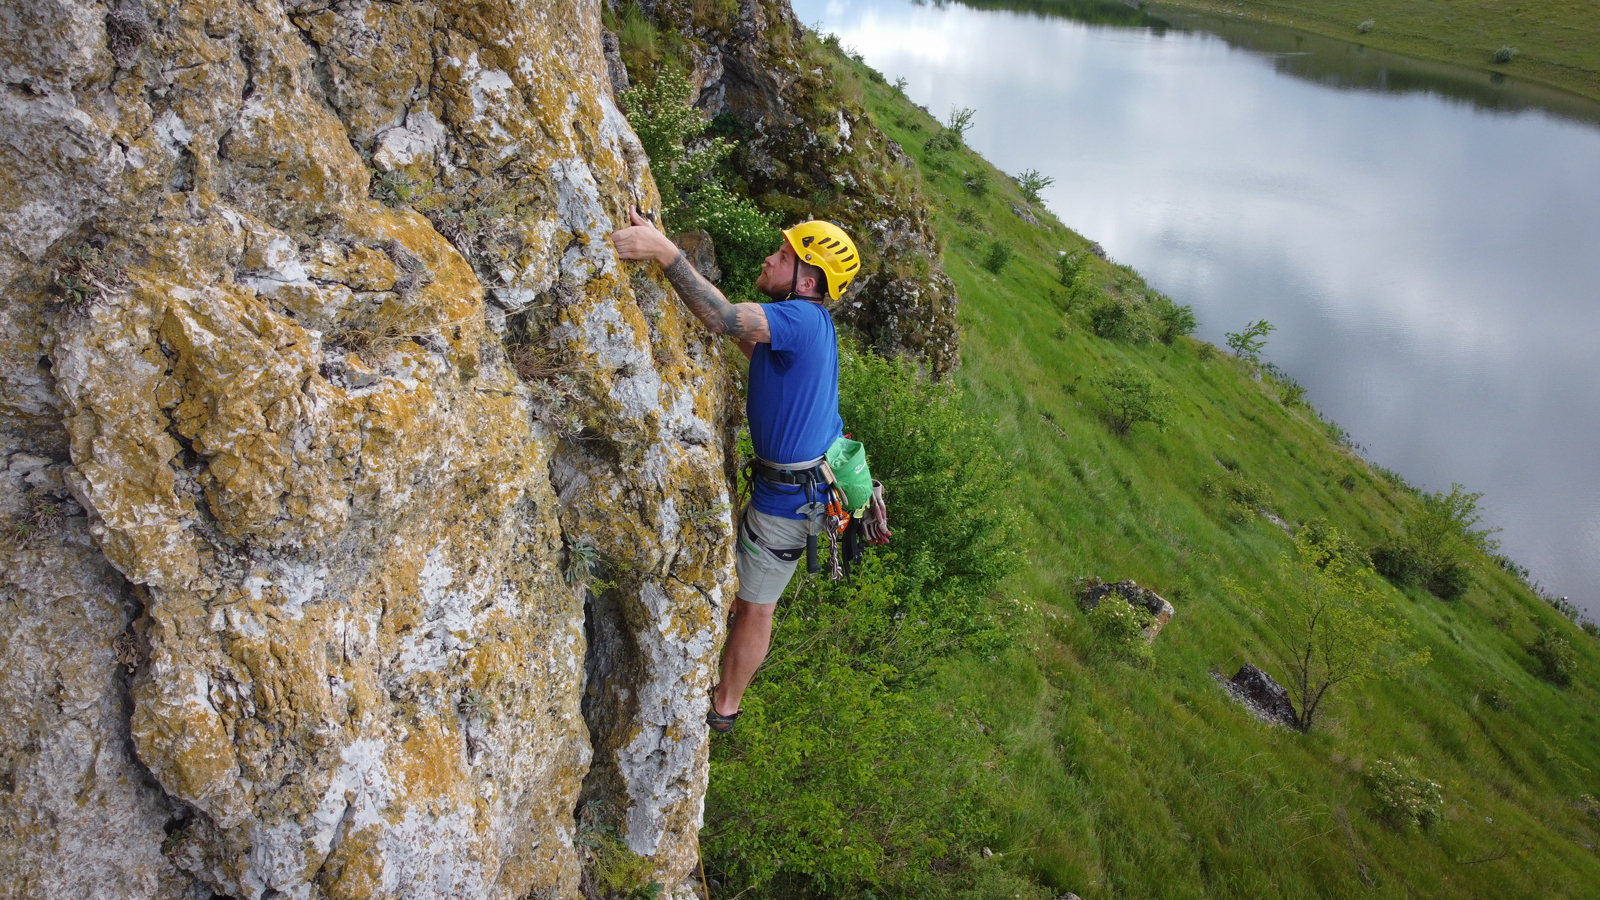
column 996, row 255
column 583, row 560
column 1554, row 653
column 41, row 518
column 1031, row 182
column 1247, row 344
column 85, row 277
column 610, row 870
column 1405, row 799
column 1505, row 54
column 1133, row 397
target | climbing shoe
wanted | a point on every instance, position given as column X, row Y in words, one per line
column 719, row 723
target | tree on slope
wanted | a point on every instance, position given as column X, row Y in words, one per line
column 1331, row 626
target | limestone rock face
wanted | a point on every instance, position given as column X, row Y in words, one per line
column 363, row 514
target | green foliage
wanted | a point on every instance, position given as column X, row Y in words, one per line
column 1404, row 798
column 1132, row 396
column 947, row 486
column 1505, row 54
column 1365, row 26
column 1554, row 654
column 1331, row 627
column 1119, row 630
column 1241, row 495
column 834, row 781
column 1031, row 182
column 1172, row 320
column 1436, row 547
column 611, row 871
column 1498, row 696
column 976, row 183
column 1119, row 318
column 996, row 255
column 1247, row 344
column 85, row 276
column 1590, row 628
column 694, row 189
column 1069, row 266
column 960, row 121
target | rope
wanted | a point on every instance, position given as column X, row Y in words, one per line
column 703, row 886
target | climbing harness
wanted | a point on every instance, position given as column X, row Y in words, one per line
column 843, row 503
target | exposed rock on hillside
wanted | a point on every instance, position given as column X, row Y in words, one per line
column 1130, row 591
column 338, row 452
column 805, row 150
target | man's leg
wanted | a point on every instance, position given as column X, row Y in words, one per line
column 742, row 655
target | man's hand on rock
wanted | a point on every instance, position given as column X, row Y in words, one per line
column 641, row 240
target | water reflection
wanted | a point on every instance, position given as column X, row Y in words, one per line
column 1427, row 251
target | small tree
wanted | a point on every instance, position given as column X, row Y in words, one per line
column 1556, row 659
column 1031, row 182
column 1133, row 397
column 1069, row 266
column 1332, row 627
column 1248, row 343
column 960, row 121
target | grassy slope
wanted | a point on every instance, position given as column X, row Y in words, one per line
column 1132, row 783
column 1557, row 41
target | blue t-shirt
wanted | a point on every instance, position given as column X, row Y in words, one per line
column 793, row 404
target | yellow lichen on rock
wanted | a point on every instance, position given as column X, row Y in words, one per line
column 355, row 634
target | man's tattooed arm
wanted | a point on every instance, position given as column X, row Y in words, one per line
column 741, row 321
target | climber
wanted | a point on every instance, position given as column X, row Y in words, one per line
column 792, row 407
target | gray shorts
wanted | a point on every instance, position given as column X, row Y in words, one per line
column 769, row 548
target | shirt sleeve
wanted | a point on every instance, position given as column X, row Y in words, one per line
column 787, row 325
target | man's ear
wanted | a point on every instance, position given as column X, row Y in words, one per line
column 808, row 286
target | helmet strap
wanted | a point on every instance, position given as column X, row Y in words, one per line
column 794, row 283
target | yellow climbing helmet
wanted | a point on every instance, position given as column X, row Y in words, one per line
column 826, row 246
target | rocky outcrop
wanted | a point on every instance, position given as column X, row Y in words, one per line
column 1265, row 698
column 1160, row 610
column 364, row 514
column 806, row 150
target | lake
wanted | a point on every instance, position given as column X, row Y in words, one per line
column 1425, row 238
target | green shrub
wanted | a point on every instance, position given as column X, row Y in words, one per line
column 1590, row 628
column 1247, row 344
column 1405, row 799
column 976, row 183
column 1068, row 267
column 1132, row 396
column 1031, row 181
column 1435, row 548
column 948, row 488
column 1172, row 320
column 960, row 121
column 1557, row 661
column 1505, row 54
column 693, row 183
column 1241, row 495
column 1119, row 628
column 1365, row 26
column 1498, row 696
column 996, row 255
column 967, row 216
column 1118, row 318
column 1205, row 351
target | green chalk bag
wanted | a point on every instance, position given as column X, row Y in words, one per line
column 848, row 460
